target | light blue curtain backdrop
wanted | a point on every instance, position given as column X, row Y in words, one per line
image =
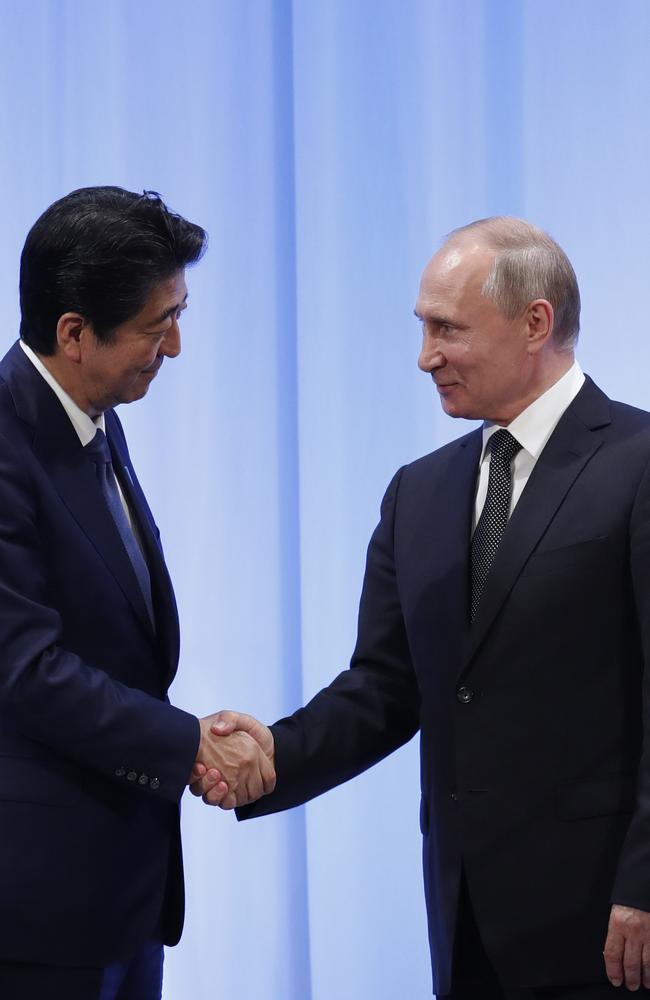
column 326, row 145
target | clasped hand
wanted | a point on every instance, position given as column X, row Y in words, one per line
column 235, row 760
column 627, row 948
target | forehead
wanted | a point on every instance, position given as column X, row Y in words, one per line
column 163, row 297
column 454, row 276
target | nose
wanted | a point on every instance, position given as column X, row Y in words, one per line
column 170, row 346
column 431, row 357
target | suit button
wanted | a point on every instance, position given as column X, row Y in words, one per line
column 120, row 772
column 131, row 776
column 154, row 783
column 464, row 695
column 453, row 796
column 143, row 779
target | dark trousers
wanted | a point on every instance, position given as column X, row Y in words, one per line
column 20, row 981
column 474, row 978
column 140, row 978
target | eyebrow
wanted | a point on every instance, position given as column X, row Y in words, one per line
column 169, row 312
column 440, row 320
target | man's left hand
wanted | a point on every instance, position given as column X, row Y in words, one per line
column 627, row 948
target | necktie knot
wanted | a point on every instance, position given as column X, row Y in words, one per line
column 98, row 450
column 503, row 447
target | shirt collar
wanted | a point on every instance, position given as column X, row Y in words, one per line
column 534, row 425
column 84, row 425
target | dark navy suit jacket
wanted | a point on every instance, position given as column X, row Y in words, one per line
column 93, row 759
column 534, row 776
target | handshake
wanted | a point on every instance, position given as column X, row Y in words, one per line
column 235, row 760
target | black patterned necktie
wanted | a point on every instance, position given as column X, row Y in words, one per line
column 99, row 452
column 495, row 513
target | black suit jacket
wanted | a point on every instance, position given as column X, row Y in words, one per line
column 93, row 759
column 534, row 776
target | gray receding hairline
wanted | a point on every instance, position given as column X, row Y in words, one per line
column 528, row 265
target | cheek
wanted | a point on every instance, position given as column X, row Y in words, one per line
column 143, row 357
column 151, row 352
column 463, row 361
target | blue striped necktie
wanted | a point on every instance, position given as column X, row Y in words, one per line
column 99, row 453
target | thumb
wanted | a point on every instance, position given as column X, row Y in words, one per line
column 224, row 723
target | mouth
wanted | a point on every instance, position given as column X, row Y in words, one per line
column 152, row 369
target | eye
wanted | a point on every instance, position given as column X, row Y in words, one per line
column 437, row 328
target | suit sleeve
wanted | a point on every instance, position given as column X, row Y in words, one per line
column 367, row 711
column 49, row 694
column 632, row 884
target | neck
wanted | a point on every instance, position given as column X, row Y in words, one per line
column 552, row 371
column 59, row 369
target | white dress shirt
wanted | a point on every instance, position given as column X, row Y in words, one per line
column 532, row 429
column 84, row 425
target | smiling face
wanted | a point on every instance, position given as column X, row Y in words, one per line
column 100, row 375
column 484, row 365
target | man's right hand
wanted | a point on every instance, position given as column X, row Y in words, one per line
column 234, row 764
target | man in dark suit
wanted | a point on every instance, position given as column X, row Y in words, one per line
column 93, row 758
column 506, row 613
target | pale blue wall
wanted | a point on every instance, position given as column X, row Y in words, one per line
column 326, row 145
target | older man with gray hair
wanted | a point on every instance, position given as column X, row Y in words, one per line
column 506, row 614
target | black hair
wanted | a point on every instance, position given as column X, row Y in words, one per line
column 99, row 252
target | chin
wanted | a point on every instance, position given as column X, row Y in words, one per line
column 454, row 411
column 133, row 394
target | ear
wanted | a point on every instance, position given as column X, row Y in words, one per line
column 539, row 323
column 70, row 331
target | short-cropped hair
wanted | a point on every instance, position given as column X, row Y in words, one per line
column 99, row 252
column 528, row 265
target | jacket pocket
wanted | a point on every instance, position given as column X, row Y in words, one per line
column 39, row 781
column 597, row 797
column 578, row 555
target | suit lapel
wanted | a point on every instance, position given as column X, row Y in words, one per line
column 572, row 444
column 59, row 450
column 445, row 542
